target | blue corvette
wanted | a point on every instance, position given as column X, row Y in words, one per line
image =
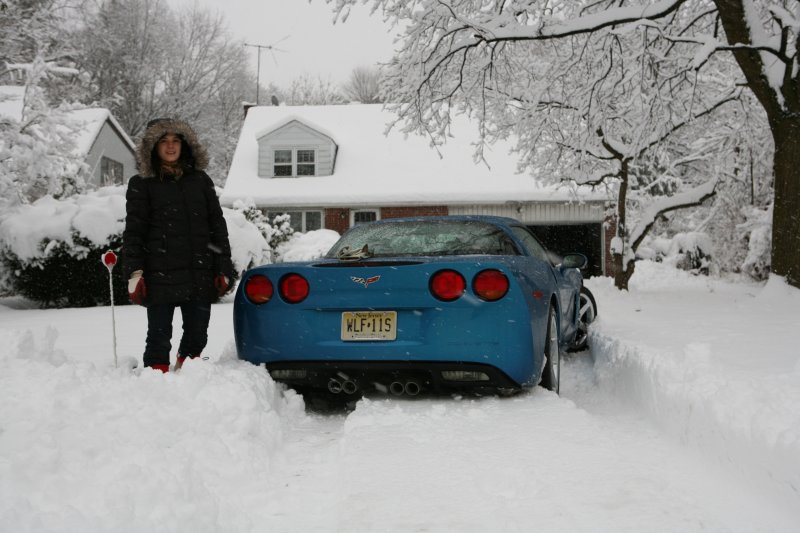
column 407, row 305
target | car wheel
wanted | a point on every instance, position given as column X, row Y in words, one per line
column 551, row 375
column 322, row 401
column 586, row 315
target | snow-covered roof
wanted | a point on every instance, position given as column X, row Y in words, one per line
column 373, row 168
column 91, row 119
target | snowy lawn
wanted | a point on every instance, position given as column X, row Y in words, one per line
column 684, row 417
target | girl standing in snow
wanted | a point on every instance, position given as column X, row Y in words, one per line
column 175, row 244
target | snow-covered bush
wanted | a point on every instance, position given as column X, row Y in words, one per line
column 50, row 250
column 690, row 251
column 758, row 229
column 275, row 231
column 249, row 248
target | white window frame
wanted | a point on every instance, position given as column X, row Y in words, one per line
column 294, row 162
column 354, row 211
column 297, row 161
column 107, row 174
column 303, row 214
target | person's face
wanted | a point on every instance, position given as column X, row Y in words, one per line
column 169, row 148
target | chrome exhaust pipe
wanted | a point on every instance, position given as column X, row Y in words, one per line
column 412, row 388
column 397, row 388
column 335, row 386
column 349, row 387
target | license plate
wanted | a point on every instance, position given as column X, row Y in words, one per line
column 369, row 325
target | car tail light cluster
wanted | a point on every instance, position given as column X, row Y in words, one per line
column 258, row 289
column 489, row 285
column 293, row 288
column 448, row 285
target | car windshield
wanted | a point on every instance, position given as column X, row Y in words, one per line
column 432, row 237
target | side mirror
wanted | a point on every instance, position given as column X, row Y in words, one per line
column 574, row 261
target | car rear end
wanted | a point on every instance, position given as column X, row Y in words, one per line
column 398, row 326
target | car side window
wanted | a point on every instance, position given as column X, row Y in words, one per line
column 532, row 245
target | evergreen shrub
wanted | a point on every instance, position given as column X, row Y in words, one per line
column 67, row 276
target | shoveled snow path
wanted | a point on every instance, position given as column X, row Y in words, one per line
column 532, row 462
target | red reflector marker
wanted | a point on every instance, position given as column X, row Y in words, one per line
column 448, row 285
column 258, row 289
column 538, row 295
column 294, row 288
column 490, row 285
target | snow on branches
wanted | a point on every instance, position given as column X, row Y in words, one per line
column 600, row 93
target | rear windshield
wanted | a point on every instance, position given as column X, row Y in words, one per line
column 435, row 237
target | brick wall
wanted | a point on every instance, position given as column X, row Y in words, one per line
column 337, row 219
column 421, row 211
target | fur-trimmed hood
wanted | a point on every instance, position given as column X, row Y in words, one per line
column 144, row 151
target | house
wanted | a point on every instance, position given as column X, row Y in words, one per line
column 101, row 141
column 335, row 166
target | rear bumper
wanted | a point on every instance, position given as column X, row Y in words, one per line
column 391, row 377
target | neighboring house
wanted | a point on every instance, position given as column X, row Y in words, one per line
column 101, row 141
column 334, row 166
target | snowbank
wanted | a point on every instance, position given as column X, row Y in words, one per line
column 86, row 447
column 714, row 366
column 307, row 246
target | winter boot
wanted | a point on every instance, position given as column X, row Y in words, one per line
column 182, row 358
column 163, row 368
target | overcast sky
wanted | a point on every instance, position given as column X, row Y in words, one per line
column 312, row 44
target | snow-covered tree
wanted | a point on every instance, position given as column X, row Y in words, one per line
column 363, row 85
column 311, row 90
column 587, row 84
column 145, row 60
column 37, row 152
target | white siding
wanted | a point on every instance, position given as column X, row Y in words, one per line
column 295, row 136
column 109, row 144
column 538, row 213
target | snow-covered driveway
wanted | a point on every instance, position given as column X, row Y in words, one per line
column 654, row 431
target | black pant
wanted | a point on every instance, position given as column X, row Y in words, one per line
column 196, row 316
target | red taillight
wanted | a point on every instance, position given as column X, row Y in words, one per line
column 258, row 289
column 448, row 285
column 294, row 288
column 490, row 285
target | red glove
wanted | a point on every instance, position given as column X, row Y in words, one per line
column 221, row 283
column 137, row 291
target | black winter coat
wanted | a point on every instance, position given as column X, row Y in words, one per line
column 176, row 234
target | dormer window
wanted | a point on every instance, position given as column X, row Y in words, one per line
column 305, row 163
column 294, row 162
column 283, row 163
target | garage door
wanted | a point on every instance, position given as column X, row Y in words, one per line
column 569, row 238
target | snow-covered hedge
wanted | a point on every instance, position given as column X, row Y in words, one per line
column 50, row 250
column 691, row 251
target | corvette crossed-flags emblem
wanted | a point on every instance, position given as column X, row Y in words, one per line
column 365, row 282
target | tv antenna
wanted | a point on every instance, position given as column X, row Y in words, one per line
column 272, row 49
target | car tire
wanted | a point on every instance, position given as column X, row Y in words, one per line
column 322, row 401
column 551, row 374
column 587, row 314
